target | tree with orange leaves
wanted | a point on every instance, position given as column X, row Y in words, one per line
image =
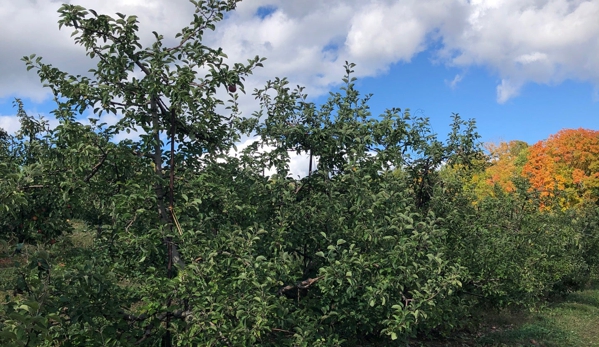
column 567, row 162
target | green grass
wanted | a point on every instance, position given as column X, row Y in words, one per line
column 77, row 242
column 573, row 322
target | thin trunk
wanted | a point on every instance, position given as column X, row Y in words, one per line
column 164, row 217
column 158, row 188
column 310, row 165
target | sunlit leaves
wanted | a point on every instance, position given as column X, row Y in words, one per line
column 567, row 162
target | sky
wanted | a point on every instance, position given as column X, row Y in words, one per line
column 524, row 69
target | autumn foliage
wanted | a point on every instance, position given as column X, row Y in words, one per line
column 564, row 167
column 567, row 162
column 506, row 160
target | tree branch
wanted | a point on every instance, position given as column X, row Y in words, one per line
column 96, row 168
column 305, row 284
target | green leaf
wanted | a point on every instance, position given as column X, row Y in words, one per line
column 8, row 335
column 26, row 308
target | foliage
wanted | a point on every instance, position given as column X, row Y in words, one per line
column 563, row 167
column 34, row 199
column 568, row 162
column 506, row 160
column 195, row 245
column 517, row 254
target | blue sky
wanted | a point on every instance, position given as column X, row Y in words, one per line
column 523, row 69
column 540, row 110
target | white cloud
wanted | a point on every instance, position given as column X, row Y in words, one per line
column 299, row 164
column 386, row 32
column 454, row 83
column 10, row 124
column 540, row 41
column 506, row 90
column 531, row 58
column 519, row 41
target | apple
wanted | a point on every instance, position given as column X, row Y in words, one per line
column 34, row 218
column 39, row 231
column 232, row 88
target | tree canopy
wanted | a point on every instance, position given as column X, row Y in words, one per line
column 187, row 242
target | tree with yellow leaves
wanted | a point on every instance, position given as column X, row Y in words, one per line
column 506, row 160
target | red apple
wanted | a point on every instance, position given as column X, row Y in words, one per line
column 232, row 88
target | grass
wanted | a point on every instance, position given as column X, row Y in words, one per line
column 79, row 241
column 81, row 237
column 572, row 322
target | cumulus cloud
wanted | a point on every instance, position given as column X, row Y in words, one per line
column 518, row 41
column 523, row 41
